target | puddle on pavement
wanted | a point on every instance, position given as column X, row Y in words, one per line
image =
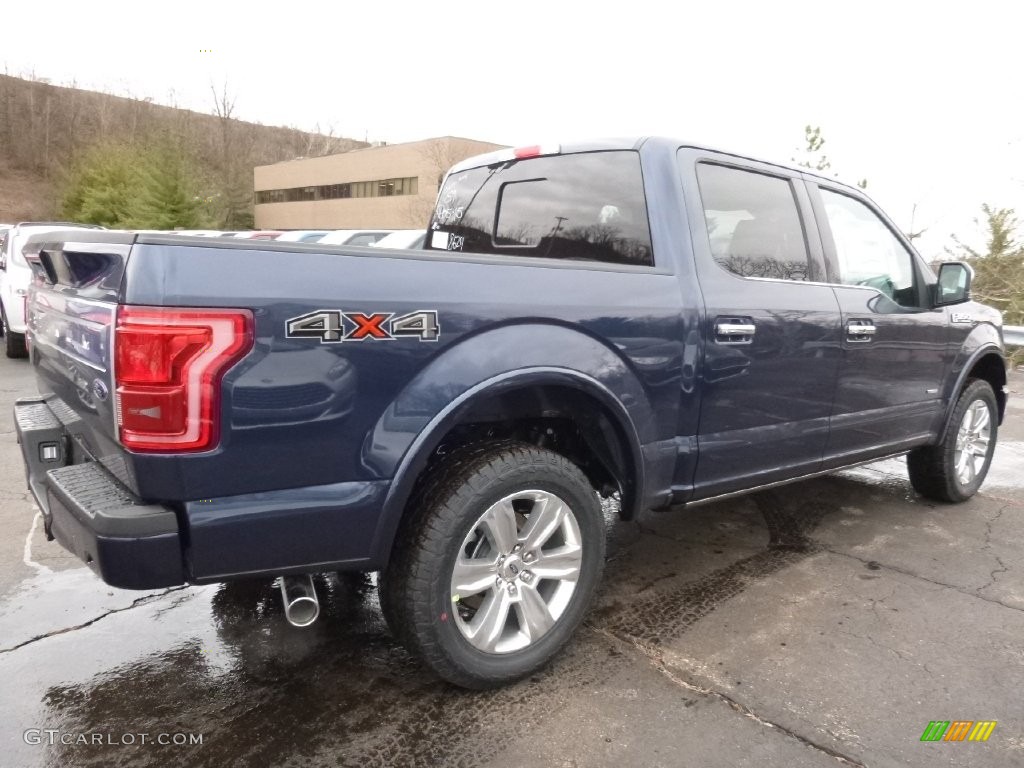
column 55, row 600
column 1006, row 471
column 263, row 692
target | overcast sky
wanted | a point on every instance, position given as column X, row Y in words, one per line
column 924, row 99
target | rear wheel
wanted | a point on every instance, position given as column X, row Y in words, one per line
column 498, row 565
column 954, row 469
column 14, row 343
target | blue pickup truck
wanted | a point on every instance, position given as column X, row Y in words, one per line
column 644, row 320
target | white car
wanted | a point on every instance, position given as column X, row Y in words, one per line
column 258, row 234
column 15, row 277
column 302, row 236
column 354, row 236
column 403, row 239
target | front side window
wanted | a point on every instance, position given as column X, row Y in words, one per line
column 867, row 252
column 753, row 223
column 587, row 206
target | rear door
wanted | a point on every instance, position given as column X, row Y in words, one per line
column 771, row 332
column 894, row 344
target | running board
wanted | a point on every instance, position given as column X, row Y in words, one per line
column 787, row 481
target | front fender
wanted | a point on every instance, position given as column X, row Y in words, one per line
column 505, row 358
column 984, row 339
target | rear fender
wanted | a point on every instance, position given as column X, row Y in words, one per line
column 503, row 359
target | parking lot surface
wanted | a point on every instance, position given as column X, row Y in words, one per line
column 820, row 624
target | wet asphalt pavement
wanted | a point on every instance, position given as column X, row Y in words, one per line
column 821, row 624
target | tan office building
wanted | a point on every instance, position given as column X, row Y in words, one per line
column 388, row 187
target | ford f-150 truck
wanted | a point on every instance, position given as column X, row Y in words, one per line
column 646, row 320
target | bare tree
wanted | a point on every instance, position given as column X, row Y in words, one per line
column 45, row 128
column 319, row 143
column 438, row 157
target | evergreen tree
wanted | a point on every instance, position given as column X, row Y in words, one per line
column 171, row 194
column 102, row 187
column 999, row 268
column 130, row 187
column 814, row 156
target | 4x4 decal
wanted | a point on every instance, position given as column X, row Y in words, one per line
column 332, row 326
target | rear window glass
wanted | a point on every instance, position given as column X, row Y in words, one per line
column 587, row 206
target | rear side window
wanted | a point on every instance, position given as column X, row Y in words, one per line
column 588, row 206
column 753, row 223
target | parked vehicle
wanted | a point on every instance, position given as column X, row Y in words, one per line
column 403, row 238
column 198, row 232
column 303, row 236
column 648, row 321
column 15, row 276
column 354, row 236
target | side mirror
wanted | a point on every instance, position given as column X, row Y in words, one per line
column 954, row 284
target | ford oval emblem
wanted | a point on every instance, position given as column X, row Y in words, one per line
column 99, row 389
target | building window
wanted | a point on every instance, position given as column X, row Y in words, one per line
column 408, row 185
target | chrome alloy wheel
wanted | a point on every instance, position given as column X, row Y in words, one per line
column 516, row 571
column 972, row 442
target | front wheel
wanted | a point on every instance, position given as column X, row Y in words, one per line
column 498, row 565
column 954, row 470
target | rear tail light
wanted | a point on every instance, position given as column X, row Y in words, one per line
column 168, row 366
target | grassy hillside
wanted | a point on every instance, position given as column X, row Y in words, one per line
column 45, row 128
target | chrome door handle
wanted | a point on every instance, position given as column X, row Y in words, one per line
column 735, row 329
column 860, row 330
column 734, row 332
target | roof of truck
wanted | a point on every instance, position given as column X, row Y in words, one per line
column 624, row 143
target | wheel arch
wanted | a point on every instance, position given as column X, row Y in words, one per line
column 537, row 397
column 986, row 363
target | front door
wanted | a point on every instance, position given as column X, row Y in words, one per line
column 771, row 333
column 894, row 343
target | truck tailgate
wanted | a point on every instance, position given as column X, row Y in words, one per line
column 72, row 310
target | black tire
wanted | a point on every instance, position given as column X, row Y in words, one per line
column 14, row 343
column 933, row 468
column 416, row 589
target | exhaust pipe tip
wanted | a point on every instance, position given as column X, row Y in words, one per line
column 298, row 594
